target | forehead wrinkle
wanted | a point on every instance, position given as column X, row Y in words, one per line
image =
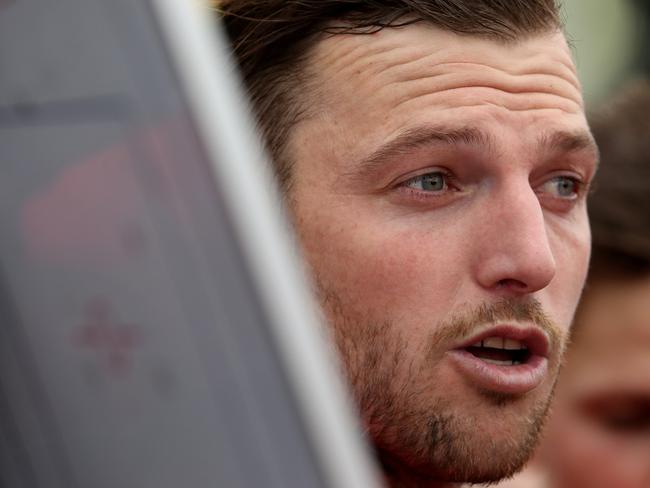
column 408, row 57
column 442, row 61
column 517, row 102
column 343, row 61
column 527, row 69
column 456, row 81
column 445, row 77
column 344, row 51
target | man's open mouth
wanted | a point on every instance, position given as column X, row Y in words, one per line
column 504, row 358
column 501, row 351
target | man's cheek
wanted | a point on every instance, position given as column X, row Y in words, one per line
column 396, row 274
column 571, row 250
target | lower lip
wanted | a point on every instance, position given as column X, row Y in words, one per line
column 514, row 379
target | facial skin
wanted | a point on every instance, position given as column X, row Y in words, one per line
column 599, row 435
column 433, row 194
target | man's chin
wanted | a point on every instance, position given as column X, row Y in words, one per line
column 480, row 446
column 483, row 459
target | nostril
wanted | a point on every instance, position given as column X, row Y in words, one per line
column 512, row 284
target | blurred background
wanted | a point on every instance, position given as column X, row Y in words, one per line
column 611, row 40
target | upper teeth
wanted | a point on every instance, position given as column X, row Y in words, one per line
column 500, row 343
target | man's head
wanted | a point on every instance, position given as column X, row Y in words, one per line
column 435, row 158
column 599, row 435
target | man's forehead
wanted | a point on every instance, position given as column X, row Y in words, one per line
column 378, row 73
column 416, row 43
column 379, row 85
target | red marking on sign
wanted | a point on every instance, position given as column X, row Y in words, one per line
column 111, row 340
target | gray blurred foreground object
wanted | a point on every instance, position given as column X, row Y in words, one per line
column 155, row 328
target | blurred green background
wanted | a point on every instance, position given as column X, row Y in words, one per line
column 611, row 40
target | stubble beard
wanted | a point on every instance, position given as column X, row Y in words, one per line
column 418, row 433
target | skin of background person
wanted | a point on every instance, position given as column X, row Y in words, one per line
column 599, row 435
column 486, row 206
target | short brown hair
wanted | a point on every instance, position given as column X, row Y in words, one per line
column 271, row 40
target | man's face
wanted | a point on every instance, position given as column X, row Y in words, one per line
column 438, row 192
column 599, row 435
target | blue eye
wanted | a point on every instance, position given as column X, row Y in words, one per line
column 431, row 182
column 562, row 187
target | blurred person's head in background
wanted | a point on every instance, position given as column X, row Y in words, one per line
column 599, row 433
column 435, row 160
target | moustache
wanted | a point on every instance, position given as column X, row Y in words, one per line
column 463, row 323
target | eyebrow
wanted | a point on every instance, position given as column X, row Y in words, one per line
column 564, row 141
column 415, row 138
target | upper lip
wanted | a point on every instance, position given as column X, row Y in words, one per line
column 535, row 340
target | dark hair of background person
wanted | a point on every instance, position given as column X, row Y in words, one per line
column 271, row 40
column 619, row 205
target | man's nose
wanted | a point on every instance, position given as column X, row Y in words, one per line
column 513, row 251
